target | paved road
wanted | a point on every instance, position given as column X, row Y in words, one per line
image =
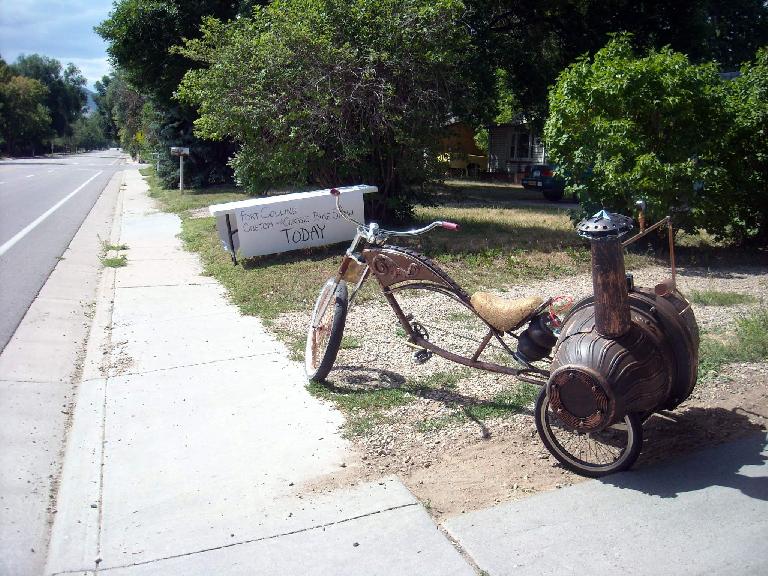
column 43, row 202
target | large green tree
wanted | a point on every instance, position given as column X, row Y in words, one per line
column 104, row 98
column 24, row 119
column 65, row 96
column 533, row 42
column 88, row 133
column 332, row 91
column 140, row 34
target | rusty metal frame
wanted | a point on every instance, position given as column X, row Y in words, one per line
column 671, row 285
column 527, row 374
column 447, row 287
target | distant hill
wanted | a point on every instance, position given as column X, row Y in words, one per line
column 90, row 104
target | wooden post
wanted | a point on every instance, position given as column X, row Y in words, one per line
column 612, row 318
column 609, row 280
column 181, row 172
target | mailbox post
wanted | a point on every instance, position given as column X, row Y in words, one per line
column 180, row 152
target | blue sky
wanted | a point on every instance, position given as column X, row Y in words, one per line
column 60, row 29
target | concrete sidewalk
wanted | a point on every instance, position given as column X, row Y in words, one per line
column 704, row 514
column 193, row 434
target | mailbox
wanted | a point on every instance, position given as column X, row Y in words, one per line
column 180, row 151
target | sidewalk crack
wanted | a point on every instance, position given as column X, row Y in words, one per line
column 262, row 539
column 207, row 362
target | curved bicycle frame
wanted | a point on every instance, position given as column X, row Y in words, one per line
column 414, row 273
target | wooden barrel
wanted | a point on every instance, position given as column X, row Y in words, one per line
column 595, row 379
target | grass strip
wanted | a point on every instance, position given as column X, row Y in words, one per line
column 720, row 298
column 747, row 343
column 497, row 245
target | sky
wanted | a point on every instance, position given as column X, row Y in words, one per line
column 56, row 28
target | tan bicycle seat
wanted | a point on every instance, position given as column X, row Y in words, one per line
column 502, row 313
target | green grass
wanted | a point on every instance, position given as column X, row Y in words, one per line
column 369, row 400
column 174, row 201
column 117, row 247
column 718, row 298
column 350, row 342
column 496, row 246
column 438, row 380
column 366, row 408
column 747, row 343
column 441, row 422
column 117, row 262
column 502, row 405
column 460, row 317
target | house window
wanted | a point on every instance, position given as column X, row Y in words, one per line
column 524, row 145
column 520, row 145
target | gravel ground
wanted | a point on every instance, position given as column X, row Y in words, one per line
column 454, row 462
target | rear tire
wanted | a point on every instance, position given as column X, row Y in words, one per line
column 591, row 454
column 326, row 327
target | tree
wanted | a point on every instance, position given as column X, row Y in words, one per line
column 737, row 206
column 126, row 109
column 104, row 98
column 140, row 34
column 632, row 127
column 24, row 119
column 534, row 42
column 88, row 133
column 331, row 91
column 65, row 96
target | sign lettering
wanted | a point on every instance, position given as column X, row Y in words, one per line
column 289, row 222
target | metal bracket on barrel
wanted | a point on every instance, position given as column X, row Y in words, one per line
column 670, row 285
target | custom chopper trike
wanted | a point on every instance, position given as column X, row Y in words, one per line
column 619, row 355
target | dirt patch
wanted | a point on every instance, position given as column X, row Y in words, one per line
column 463, row 440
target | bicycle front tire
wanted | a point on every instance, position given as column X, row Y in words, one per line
column 326, row 328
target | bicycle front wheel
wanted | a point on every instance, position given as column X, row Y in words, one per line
column 592, row 454
column 326, row 328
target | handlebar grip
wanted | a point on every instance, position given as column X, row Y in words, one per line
column 335, row 192
column 449, row 225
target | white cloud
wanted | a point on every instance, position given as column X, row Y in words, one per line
column 61, row 30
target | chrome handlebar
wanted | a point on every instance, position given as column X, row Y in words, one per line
column 372, row 233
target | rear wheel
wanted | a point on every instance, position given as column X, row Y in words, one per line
column 326, row 328
column 590, row 454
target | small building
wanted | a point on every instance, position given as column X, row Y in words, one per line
column 513, row 147
column 459, row 150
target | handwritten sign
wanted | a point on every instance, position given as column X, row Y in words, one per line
column 288, row 222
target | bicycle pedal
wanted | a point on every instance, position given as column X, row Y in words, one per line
column 421, row 356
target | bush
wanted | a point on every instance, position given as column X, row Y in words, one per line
column 657, row 127
column 331, row 92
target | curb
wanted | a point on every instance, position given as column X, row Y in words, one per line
column 74, row 541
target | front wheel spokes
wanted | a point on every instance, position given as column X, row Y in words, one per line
column 602, row 447
column 592, row 454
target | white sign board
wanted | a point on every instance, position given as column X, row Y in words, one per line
column 288, row 222
column 179, row 151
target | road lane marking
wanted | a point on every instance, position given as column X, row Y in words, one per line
column 32, row 225
column 30, row 176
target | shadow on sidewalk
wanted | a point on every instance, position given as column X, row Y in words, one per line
column 670, row 465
